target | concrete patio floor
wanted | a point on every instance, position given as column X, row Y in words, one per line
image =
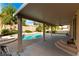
column 42, row 48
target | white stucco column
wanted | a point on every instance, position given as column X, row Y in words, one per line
column 51, row 31
column 71, row 29
column 77, row 32
column 43, row 31
column 20, row 48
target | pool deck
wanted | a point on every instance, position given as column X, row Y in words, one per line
column 40, row 48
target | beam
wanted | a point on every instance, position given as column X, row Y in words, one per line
column 20, row 48
column 35, row 19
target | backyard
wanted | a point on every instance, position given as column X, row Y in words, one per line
column 37, row 38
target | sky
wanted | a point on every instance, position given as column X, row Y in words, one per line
column 17, row 6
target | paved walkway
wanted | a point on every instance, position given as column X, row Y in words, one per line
column 41, row 48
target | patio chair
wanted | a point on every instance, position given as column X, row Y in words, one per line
column 4, row 51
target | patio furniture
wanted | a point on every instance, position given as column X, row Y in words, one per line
column 4, row 51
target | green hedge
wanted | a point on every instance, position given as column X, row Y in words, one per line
column 28, row 31
column 8, row 32
column 5, row 32
column 14, row 31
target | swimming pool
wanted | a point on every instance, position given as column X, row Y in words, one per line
column 31, row 37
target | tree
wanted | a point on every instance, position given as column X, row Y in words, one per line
column 47, row 26
column 24, row 22
column 1, row 24
column 39, row 28
column 55, row 28
column 8, row 12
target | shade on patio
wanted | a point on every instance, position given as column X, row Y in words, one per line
column 53, row 13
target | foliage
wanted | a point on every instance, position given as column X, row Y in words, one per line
column 55, row 28
column 8, row 12
column 5, row 31
column 14, row 31
column 39, row 28
column 24, row 22
column 47, row 26
column 28, row 31
column 8, row 32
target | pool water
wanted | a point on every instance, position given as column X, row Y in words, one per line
column 31, row 37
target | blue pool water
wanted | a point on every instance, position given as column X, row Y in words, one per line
column 31, row 37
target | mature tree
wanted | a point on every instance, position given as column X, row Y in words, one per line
column 55, row 28
column 8, row 18
column 47, row 26
column 39, row 28
column 24, row 22
column 1, row 24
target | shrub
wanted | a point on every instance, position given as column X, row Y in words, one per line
column 47, row 31
column 8, row 32
column 39, row 29
column 5, row 32
column 28, row 31
column 14, row 31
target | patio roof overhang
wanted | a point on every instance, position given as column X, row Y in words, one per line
column 51, row 13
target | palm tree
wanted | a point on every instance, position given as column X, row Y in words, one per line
column 8, row 18
column 1, row 24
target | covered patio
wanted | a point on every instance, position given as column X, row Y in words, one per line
column 51, row 14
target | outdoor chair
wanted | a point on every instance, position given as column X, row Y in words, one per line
column 4, row 51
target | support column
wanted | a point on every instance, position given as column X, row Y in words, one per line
column 77, row 32
column 20, row 48
column 74, row 27
column 43, row 31
column 51, row 31
column 71, row 29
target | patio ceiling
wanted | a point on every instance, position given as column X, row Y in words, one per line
column 51, row 13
